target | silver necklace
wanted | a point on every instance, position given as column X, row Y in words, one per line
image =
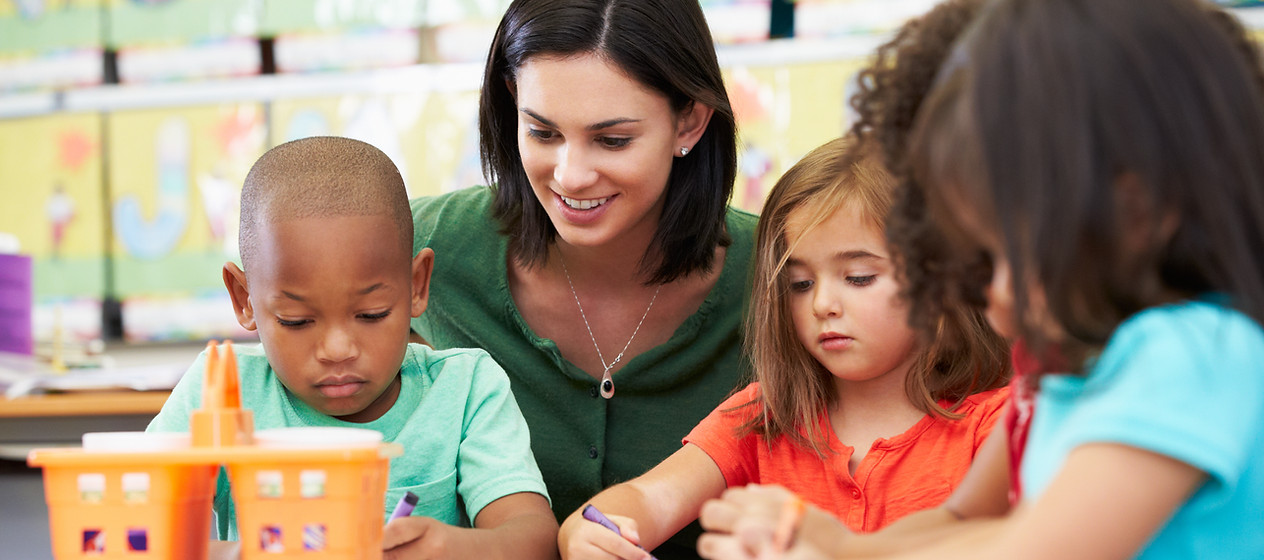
column 607, row 383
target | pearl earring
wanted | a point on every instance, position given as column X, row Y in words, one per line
column 684, row 151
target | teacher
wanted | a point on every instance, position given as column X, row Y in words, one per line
column 603, row 269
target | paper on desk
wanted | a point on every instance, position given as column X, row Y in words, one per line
column 22, row 375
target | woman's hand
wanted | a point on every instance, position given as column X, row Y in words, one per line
column 581, row 539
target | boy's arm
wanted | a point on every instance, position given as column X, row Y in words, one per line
column 648, row 509
column 519, row 525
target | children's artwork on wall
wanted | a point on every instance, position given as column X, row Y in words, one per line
column 175, row 180
column 432, row 137
column 53, row 202
column 50, row 43
column 782, row 113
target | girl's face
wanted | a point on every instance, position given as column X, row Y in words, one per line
column 597, row 147
column 844, row 299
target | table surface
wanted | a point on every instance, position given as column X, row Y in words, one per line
column 88, row 403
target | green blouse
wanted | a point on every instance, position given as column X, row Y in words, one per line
column 582, row 442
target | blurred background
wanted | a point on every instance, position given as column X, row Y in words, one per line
column 127, row 126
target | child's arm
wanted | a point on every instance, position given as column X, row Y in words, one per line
column 648, row 509
column 749, row 516
column 519, row 525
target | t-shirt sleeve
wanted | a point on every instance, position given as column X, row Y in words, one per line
column 989, row 411
column 717, row 436
column 1187, row 384
column 185, row 398
column 495, row 458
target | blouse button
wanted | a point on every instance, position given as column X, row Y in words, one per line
column 855, row 493
column 592, row 452
column 593, row 391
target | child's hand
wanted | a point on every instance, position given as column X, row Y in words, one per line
column 422, row 538
column 761, row 522
column 581, row 539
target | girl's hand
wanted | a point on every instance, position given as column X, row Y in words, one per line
column 581, row 539
column 422, row 538
column 760, row 522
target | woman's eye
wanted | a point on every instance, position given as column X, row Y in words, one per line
column 374, row 317
column 292, row 323
column 540, row 134
column 614, row 141
column 861, row 280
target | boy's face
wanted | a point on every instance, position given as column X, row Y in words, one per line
column 332, row 299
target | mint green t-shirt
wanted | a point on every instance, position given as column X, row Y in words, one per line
column 465, row 442
column 583, row 443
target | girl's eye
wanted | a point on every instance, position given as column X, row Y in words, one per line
column 374, row 317
column 800, row 286
column 540, row 134
column 861, row 281
column 292, row 323
column 614, row 141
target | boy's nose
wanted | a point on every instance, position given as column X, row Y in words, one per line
column 337, row 345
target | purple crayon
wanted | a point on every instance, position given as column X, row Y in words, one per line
column 593, row 514
column 405, row 506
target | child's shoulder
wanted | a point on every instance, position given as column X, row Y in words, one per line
column 472, row 363
column 1200, row 325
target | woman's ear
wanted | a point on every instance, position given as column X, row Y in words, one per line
column 690, row 125
column 239, row 292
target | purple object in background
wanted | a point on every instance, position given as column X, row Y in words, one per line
column 15, row 304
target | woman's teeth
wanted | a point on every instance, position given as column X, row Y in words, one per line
column 584, row 204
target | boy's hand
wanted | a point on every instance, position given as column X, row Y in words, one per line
column 422, row 538
column 581, row 539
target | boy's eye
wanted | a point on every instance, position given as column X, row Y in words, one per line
column 861, row 280
column 292, row 323
column 374, row 317
column 800, row 286
column 614, row 141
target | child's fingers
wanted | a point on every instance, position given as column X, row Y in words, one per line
column 628, row 527
column 714, row 546
column 592, row 541
column 719, row 516
column 399, row 532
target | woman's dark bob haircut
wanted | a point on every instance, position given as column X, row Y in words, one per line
column 663, row 44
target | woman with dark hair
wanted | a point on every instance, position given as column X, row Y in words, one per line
column 603, row 267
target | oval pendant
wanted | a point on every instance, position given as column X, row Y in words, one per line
column 607, row 385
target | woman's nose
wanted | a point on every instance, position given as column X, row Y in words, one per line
column 574, row 170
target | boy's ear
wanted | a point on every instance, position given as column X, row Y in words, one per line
column 423, row 264
column 690, row 125
column 239, row 292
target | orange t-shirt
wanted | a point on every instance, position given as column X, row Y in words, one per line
column 910, row 472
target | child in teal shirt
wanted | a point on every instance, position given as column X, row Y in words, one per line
column 330, row 285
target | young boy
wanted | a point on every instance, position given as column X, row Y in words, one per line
column 326, row 238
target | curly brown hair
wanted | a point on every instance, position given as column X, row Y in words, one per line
column 891, row 90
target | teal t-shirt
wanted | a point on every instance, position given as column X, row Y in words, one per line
column 583, row 442
column 1185, row 381
column 465, row 442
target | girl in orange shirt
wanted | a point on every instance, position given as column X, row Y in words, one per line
column 850, row 408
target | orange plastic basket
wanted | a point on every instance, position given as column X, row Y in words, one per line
column 295, row 502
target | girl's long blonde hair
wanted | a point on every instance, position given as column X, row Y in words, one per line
column 964, row 357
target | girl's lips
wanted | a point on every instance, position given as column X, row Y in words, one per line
column 836, row 342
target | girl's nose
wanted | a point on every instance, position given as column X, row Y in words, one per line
column 825, row 302
column 574, row 170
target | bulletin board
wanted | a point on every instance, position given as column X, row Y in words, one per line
column 784, row 112
column 432, row 137
column 175, row 182
column 50, row 167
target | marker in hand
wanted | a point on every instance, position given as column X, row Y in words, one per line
column 591, row 513
column 405, row 506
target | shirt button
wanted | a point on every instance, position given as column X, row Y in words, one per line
column 592, row 452
column 593, row 391
column 855, row 493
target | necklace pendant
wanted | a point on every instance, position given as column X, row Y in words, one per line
column 607, row 385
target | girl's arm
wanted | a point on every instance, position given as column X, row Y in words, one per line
column 648, row 509
column 518, row 525
column 746, row 518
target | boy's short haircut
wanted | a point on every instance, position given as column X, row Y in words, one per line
column 322, row 176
